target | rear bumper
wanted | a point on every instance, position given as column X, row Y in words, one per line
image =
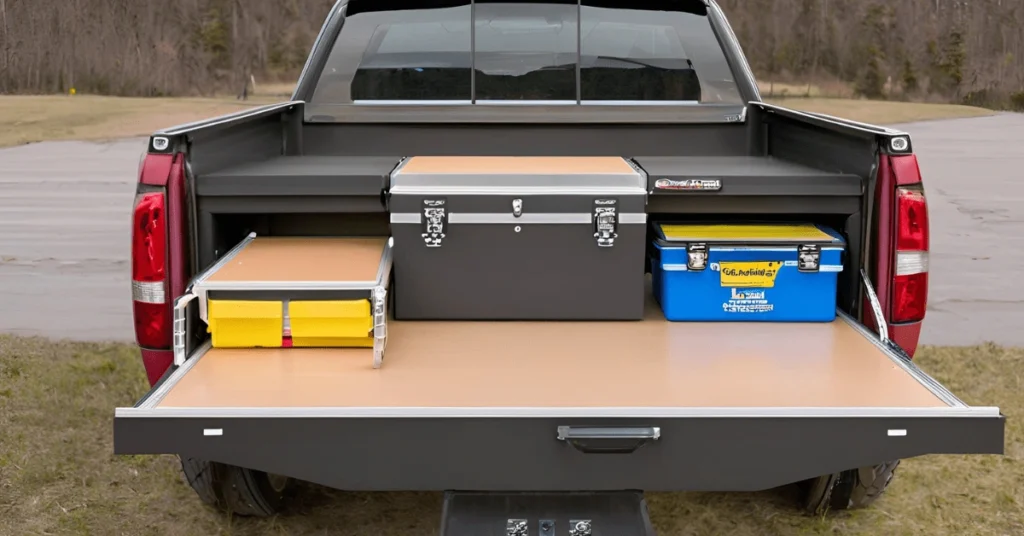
column 705, row 451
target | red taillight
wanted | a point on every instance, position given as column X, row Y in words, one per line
column 910, row 284
column 149, row 271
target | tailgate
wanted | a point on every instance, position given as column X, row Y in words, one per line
column 544, row 406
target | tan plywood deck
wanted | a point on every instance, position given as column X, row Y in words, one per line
column 304, row 259
column 652, row 363
column 529, row 165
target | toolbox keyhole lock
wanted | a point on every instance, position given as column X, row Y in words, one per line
column 517, row 207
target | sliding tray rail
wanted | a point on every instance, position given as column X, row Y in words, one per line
column 287, row 269
column 557, row 406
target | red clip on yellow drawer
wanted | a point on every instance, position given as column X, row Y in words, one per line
column 246, row 324
column 331, row 323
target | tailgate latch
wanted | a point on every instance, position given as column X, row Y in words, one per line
column 696, row 257
column 808, row 258
column 435, row 222
column 606, row 222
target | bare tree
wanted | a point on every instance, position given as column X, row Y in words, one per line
column 949, row 50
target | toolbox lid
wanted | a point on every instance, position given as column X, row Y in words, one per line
column 746, row 233
column 517, row 175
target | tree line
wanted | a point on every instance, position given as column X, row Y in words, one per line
column 967, row 51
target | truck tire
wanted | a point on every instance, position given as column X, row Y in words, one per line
column 235, row 490
column 849, row 490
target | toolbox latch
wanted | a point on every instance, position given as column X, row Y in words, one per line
column 435, row 222
column 696, row 257
column 808, row 258
column 606, row 222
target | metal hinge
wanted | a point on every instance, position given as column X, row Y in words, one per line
column 606, row 222
column 696, row 257
column 808, row 258
column 435, row 221
column 179, row 327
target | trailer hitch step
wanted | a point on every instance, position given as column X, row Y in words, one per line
column 545, row 514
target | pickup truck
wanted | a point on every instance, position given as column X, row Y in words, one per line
column 535, row 427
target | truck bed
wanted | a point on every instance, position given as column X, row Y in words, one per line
column 648, row 364
column 536, row 406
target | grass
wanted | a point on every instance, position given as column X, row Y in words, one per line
column 58, row 476
column 29, row 119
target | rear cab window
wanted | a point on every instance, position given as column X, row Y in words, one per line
column 557, row 52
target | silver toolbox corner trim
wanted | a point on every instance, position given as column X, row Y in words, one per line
column 534, row 218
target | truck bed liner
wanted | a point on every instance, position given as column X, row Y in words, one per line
column 750, row 185
column 652, row 363
column 301, row 175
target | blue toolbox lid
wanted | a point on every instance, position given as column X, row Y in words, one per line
column 680, row 234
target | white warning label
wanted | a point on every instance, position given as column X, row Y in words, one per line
column 748, row 301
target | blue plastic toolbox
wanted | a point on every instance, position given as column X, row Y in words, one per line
column 746, row 272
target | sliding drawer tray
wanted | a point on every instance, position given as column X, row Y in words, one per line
column 294, row 291
column 554, row 406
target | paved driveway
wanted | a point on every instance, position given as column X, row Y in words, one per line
column 974, row 180
column 65, row 207
column 65, row 210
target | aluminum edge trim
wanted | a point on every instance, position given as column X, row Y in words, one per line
column 227, row 118
column 399, row 189
column 924, row 379
column 291, row 285
column 176, row 376
column 536, row 218
column 384, row 270
column 553, row 412
column 413, row 218
column 398, row 170
column 232, row 253
column 199, row 283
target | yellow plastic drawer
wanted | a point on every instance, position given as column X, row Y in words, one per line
column 246, row 324
column 331, row 323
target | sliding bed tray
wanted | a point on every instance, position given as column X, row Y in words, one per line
column 283, row 272
column 550, row 406
column 302, row 176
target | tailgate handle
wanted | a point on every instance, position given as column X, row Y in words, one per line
column 608, row 440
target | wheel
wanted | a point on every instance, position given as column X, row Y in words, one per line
column 848, row 490
column 243, row 492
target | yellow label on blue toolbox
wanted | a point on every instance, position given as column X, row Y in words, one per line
column 747, row 272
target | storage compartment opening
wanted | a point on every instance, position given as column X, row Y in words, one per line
column 230, row 229
column 227, row 230
column 848, row 226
